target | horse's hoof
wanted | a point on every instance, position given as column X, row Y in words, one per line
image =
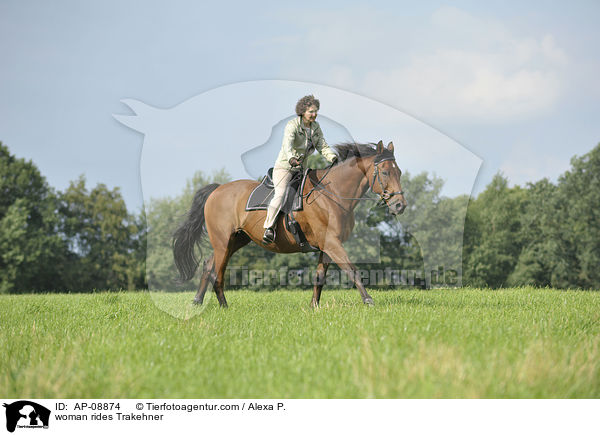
column 197, row 302
column 368, row 301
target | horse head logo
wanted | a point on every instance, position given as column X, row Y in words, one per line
column 26, row 413
column 239, row 127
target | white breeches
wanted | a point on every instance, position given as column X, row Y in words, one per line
column 281, row 178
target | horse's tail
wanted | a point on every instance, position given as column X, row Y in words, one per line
column 189, row 234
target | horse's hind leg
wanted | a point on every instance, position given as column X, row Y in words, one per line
column 208, row 277
column 324, row 261
column 222, row 254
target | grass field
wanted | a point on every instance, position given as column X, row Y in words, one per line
column 468, row 343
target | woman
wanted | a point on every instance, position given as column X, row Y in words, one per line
column 302, row 135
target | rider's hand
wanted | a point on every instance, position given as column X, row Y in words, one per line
column 294, row 162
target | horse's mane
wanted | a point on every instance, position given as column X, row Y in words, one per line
column 348, row 150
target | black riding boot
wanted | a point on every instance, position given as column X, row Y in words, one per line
column 269, row 236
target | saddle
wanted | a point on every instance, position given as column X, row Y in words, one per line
column 261, row 196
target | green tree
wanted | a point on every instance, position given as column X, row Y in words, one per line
column 558, row 233
column 493, row 234
column 163, row 216
column 31, row 249
column 541, row 238
column 104, row 239
column 428, row 237
column 578, row 205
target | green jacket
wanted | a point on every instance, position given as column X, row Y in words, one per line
column 295, row 142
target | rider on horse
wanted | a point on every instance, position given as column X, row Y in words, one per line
column 302, row 135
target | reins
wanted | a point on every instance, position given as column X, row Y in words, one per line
column 319, row 183
column 384, row 196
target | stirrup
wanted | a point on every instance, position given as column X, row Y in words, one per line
column 269, row 236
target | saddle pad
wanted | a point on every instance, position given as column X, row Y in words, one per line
column 263, row 193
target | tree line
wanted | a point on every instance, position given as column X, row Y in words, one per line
column 81, row 239
column 84, row 239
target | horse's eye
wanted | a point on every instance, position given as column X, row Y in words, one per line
column 386, row 173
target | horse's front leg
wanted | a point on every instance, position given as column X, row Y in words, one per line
column 338, row 254
column 324, row 261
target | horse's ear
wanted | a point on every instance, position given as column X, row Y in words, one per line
column 380, row 147
column 390, row 147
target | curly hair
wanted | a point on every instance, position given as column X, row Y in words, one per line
column 305, row 102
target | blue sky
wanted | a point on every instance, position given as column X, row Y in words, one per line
column 514, row 83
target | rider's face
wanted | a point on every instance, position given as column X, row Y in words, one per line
column 310, row 115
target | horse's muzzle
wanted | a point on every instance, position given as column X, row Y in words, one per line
column 397, row 208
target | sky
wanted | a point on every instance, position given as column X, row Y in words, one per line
column 514, row 84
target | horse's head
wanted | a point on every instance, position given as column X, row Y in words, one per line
column 385, row 179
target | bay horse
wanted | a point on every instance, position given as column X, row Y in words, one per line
column 327, row 218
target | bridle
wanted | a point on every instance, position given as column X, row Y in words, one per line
column 384, row 196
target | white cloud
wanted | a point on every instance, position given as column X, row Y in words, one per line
column 552, row 51
column 458, row 84
column 504, row 94
column 524, row 163
column 458, row 66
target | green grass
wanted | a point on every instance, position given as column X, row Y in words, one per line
column 468, row 343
